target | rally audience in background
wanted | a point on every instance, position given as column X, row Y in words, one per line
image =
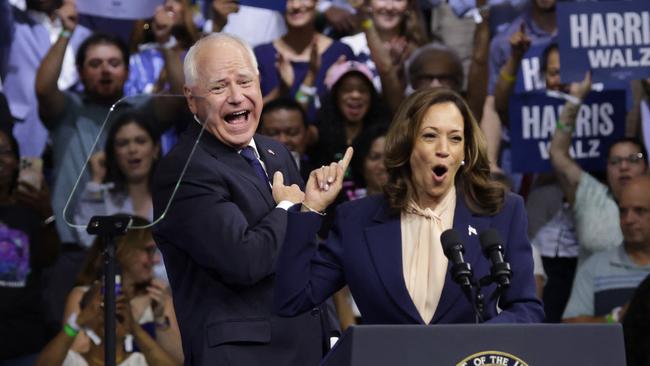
column 332, row 73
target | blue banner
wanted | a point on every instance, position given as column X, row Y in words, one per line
column 278, row 5
column 610, row 38
column 529, row 76
column 533, row 117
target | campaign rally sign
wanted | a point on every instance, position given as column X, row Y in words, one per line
column 118, row 9
column 533, row 117
column 610, row 38
column 278, row 5
column 529, row 76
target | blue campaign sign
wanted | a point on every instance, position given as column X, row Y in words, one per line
column 529, row 77
column 278, row 5
column 611, row 38
column 533, row 117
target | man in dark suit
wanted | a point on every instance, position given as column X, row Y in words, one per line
column 221, row 235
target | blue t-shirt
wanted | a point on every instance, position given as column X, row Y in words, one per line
column 269, row 78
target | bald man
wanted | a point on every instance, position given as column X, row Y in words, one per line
column 607, row 280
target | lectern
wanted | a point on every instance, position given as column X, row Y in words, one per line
column 483, row 344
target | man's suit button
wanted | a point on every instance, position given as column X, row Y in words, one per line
column 315, row 311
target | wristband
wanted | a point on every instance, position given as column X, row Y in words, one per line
column 569, row 98
column 72, row 322
column 367, row 24
column 614, row 316
column 70, row 331
column 507, row 77
column 49, row 220
column 308, row 90
column 302, row 98
column 564, row 128
column 65, row 33
column 164, row 324
column 314, row 211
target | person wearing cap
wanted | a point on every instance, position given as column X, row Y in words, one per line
column 350, row 106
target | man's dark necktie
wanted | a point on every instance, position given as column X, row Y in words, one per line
column 250, row 157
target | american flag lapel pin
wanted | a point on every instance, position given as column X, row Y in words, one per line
column 471, row 230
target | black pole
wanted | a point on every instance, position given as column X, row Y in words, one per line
column 108, row 228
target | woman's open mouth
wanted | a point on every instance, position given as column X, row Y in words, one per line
column 439, row 173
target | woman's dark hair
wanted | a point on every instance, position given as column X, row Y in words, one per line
column 482, row 194
column 331, row 128
column 101, row 38
column 547, row 51
column 412, row 26
column 629, row 140
column 113, row 173
column 286, row 104
column 636, row 326
column 93, row 266
column 15, row 152
column 362, row 146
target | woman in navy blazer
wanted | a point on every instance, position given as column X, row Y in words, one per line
column 434, row 146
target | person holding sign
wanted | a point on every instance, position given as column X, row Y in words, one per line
column 539, row 26
column 387, row 248
column 592, row 201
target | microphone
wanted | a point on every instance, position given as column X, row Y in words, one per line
column 493, row 249
column 461, row 272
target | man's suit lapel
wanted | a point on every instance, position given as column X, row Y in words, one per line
column 231, row 158
column 384, row 242
column 468, row 226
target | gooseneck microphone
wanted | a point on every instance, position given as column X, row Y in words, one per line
column 493, row 249
column 461, row 272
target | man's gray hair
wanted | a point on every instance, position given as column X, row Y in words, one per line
column 189, row 65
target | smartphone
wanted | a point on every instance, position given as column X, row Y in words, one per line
column 31, row 171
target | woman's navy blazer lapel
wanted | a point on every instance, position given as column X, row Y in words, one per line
column 383, row 238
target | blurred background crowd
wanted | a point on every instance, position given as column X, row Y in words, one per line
column 332, row 73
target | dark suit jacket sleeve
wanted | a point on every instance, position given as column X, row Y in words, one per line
column 519, row 303
column 307, row 273
column 205, row 222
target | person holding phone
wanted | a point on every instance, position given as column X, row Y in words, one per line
column 150, row 297
column 60, row 351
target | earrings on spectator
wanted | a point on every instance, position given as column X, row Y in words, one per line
column 462, row 162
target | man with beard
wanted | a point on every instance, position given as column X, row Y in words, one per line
column 25, row 37
column 74, row 121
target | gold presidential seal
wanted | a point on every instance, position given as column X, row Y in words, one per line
column 492, row 358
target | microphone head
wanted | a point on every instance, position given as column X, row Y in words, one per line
column 449, row 239
column 489, row 238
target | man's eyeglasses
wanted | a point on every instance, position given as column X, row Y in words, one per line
column 631, row 159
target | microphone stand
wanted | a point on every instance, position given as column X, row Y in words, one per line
column 108, row 228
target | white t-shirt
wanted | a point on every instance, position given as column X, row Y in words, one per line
column 75, row 359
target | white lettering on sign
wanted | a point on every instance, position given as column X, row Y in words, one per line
column 593, row 120
column 610, row 29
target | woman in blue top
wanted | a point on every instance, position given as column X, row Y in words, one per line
column 297, row 62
